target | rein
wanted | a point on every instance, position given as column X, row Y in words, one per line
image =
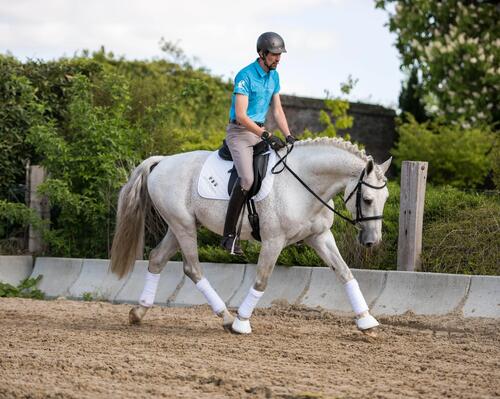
column 357, row 190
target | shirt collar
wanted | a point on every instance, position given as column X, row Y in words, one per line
column 259, row 69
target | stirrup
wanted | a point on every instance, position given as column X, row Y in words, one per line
column 231, row 244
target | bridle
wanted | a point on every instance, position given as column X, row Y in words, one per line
column 357, row 190
column 359, row 214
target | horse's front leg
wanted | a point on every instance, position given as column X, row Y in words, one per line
column 325, row 246
column 268, row 256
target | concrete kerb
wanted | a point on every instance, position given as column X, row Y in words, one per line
column 328, row 292
column 59, row 274
column 483, row 299
column 170, row 278
column 224, row 278
column 286, row 284
column 14, row 269
column 421, row 293
column 388, row 292
column 96, row 281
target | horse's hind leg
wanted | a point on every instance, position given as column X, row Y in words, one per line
column 158, row 258
column 268, row 256
column 186, row 235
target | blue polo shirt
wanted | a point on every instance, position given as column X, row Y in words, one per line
column 259, row 86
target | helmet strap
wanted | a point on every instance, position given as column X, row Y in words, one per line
column 262, row 56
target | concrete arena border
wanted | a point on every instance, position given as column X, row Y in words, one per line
column 387, row 292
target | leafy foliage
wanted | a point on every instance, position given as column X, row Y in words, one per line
column 89, row 120
column 14, row 219
column 25, row 289
column 456, row 156
column 454, row 46
column 336, row 117
column 411, row 98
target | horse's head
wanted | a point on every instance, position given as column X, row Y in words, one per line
column 365, row 197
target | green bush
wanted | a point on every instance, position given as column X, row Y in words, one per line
column 457, row 156
column 25, row 289
column 14, row 220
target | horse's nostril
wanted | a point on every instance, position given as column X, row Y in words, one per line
column 368, row 244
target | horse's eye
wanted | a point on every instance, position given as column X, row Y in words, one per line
column 368, row 201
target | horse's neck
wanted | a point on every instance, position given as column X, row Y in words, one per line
column 328, row 168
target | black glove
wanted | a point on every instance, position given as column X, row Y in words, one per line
column 290, row 139
column 272, row 141
column 275, row 143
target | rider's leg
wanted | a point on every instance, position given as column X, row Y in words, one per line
column 325, row 246
column 240, row 142
column 234, row 207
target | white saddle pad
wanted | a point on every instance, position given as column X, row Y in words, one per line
column 214, row 178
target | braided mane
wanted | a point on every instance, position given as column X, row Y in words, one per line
column 342, row 144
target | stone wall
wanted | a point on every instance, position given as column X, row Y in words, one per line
column 374, row 125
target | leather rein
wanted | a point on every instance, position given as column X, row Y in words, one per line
column 357, row 190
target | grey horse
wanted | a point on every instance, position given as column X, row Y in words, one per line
column 288, row 214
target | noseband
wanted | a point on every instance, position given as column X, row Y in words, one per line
column 357, row 190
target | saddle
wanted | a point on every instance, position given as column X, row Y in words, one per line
column 260, row 162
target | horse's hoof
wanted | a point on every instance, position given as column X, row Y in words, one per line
column 241, row 326
column 371, row 332
column 367, row 322
column 136, row 314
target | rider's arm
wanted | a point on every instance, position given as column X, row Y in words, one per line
column 279, row 115
column 240, row 108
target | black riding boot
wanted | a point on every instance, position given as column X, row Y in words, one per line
column 236, row 203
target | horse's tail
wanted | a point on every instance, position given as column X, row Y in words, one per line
column 133, row 202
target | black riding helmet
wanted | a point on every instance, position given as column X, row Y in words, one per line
column 270, row 42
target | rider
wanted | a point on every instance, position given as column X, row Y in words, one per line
column 256, row 87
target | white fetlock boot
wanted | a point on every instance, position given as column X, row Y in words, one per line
column 366, row 322
column 241, row 326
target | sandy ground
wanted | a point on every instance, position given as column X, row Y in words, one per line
column 69, row 349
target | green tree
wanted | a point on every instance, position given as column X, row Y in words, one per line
column 410, row 99
column 455, row 46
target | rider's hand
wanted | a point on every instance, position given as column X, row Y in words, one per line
column 266, row 136
column 290, row 139
column 276, row 143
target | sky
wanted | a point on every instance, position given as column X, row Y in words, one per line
column 327, row 40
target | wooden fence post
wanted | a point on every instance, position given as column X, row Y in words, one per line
column 411, row 214
column 37, row 175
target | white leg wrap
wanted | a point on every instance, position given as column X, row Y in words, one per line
column 147, row 297
column 355, row 296
column 246, row 308
column 213, row 299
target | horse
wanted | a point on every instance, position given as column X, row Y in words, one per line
column 288, row 214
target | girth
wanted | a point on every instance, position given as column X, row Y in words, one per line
column 260, row 162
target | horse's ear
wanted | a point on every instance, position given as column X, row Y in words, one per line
column 369, row 167
column 385, row 166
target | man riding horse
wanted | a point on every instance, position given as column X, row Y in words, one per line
column 256, row 87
